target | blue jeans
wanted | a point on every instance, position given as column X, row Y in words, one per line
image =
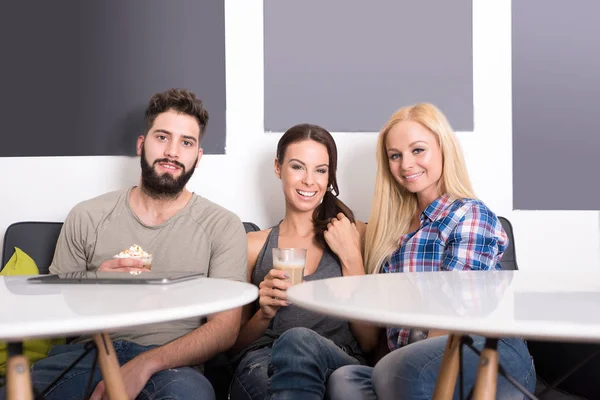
column 411, row 372
column 179, row 383
column 297, row 366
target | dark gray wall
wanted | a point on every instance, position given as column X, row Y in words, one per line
column 349, row 64
column 556, row 98
column 77, row 75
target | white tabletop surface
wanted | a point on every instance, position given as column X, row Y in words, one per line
column 33, row 310
column 553, row 306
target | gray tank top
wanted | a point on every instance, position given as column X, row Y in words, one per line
column 293, row 316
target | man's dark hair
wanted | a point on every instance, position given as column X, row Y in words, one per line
column 180, row 100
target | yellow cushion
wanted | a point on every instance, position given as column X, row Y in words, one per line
column 36, row 349
column 20, row 264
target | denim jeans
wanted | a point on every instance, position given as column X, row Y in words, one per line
column 297, row 366
column 177, row 383
column 411, row 372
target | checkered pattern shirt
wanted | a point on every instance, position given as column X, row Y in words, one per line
column 458, row 234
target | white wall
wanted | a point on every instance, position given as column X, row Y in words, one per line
column 242, row 180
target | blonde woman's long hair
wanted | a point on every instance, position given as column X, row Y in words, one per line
column 393, row 206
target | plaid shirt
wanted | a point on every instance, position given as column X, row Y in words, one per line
column 457, row 235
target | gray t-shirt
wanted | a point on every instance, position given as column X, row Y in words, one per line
column 203, row 236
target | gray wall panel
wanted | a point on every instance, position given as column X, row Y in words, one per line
column 556, row 96
column 349, row 64
column 80, row 73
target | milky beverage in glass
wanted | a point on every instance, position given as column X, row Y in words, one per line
column 292, row 262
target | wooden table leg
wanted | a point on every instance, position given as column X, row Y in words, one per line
column 110, row 368
column 18, row 377
column 446, row 381
column 487, row 372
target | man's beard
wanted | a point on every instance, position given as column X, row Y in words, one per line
column 163, row 186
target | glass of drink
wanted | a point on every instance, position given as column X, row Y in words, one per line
column 292, row 262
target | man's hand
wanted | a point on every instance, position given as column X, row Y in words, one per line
column 122, row 265
column 136, row 374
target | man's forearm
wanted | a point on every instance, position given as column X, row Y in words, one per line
column 215, row 336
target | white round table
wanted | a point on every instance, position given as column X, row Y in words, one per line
column 49, row 310
column 549, row 306
column 46, row 310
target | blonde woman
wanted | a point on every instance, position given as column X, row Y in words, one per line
column 425, row 217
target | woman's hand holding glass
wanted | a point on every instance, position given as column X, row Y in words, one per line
column 272, row 293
